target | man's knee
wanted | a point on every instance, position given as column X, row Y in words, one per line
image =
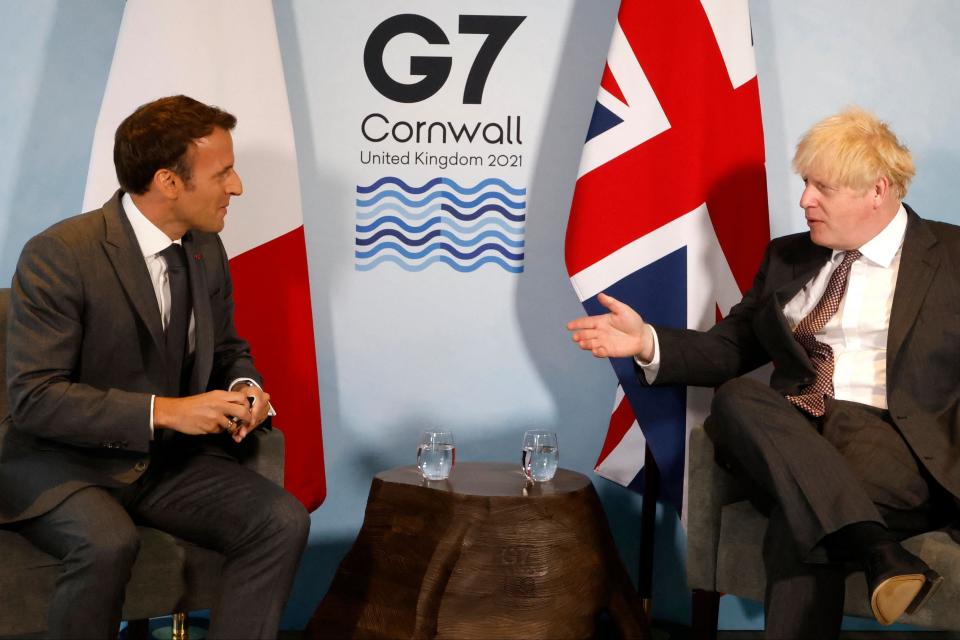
column 735, row 397
column 283, row 518
column 743, row 409
column 110, row 549
column 293, row 519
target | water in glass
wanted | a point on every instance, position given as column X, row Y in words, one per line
column 540, row 456
column 436, row 455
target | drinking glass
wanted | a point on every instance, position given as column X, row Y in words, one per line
column 436, row 454
column 540, row 455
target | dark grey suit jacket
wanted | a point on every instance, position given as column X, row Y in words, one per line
column 85, row 354
column 923, row 346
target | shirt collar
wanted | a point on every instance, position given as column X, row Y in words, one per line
column 883, row 247
column 149, row 236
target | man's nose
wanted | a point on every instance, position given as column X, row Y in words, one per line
column 806, row 198
column 235, row 185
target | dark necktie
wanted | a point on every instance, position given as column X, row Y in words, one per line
column 175, row 333
column 811, row 397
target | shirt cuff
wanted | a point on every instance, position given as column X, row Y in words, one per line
column 652, row 368
column 270, row 410
column 152, row 398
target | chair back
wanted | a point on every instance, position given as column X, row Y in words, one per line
column 4, row 309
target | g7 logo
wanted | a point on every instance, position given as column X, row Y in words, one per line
column 435, row 69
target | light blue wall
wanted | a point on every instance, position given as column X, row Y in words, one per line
column 897, row 57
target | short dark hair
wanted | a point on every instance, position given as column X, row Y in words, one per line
column 158, row 135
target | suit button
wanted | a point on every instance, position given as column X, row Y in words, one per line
column 140, row 466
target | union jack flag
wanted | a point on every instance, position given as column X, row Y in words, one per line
column 670, row 209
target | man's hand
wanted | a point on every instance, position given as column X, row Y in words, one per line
column 622, row 333
column 258, row 401
column 202, row 414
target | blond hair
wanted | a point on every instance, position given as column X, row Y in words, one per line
column 853, row 149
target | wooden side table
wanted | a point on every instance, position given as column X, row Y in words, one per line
column 482, row 555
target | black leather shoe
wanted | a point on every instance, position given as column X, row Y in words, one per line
column 899, row 582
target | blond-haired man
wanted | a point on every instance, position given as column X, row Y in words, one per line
column 853, row 444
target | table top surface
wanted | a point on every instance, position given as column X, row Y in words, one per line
column 489, row 479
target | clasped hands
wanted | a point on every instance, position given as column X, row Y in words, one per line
column 621, row 333
column 214, row 412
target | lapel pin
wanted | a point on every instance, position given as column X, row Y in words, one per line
column 198, row 256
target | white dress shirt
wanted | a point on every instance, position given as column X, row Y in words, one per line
column 857, row 333
column 152, row 241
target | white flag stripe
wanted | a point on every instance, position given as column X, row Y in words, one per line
column 730, row 21
column 642, row 116
column 710, row 280
column 623, row 463
column 220, row 55
column 618, row 398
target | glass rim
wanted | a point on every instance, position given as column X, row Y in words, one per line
column 538, row 434
column 440, row 437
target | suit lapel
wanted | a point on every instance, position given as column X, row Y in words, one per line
column 805, row 267
column 203, row 316
column 918, row 264
column 124, row 253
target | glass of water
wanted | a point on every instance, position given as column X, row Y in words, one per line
column 540, row 455
column 436, row 454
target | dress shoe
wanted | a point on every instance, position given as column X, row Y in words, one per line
column 899, row 582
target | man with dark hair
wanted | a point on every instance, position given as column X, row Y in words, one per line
column 131, row 392
column 853, row 446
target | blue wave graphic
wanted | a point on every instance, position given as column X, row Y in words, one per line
column 395, row 208
column 410, row 215
column 448, row 220
column 447, row 182
column 440, row 221
column 490, row 195
column 384, row 233
column 466, row 217
column 434, row 221
column 367, row 228
column 438, row 246
column 462, row 268
column 416, row 242
column 471, row 228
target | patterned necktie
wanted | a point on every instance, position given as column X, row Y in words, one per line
column 175, row 333
column 811, row 397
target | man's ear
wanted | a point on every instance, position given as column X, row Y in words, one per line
column 167, row 183
column 880, row 190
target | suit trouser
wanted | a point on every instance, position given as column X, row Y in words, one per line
column 813, row 477
column 211, row 501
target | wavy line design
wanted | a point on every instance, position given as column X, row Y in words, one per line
column 462, row 268
column 462, row 242
column 448, row 195
column 409, row 228
column 439, row 222
column 446, row 208
column 447, row 182
column 438, row 246
column 391, row 207
column 463, row 228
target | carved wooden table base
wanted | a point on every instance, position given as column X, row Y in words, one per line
column 482, row 555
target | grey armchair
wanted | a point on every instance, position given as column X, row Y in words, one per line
column 170, row 574
column 725, row 538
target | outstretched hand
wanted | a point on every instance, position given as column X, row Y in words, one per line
column 621, row 333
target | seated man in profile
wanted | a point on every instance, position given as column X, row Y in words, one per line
column 853, row 446
column 130, row 389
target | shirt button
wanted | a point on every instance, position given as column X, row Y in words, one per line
column 140, row 466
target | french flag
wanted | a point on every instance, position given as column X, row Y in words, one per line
column 669, row 214
column 229, row 56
